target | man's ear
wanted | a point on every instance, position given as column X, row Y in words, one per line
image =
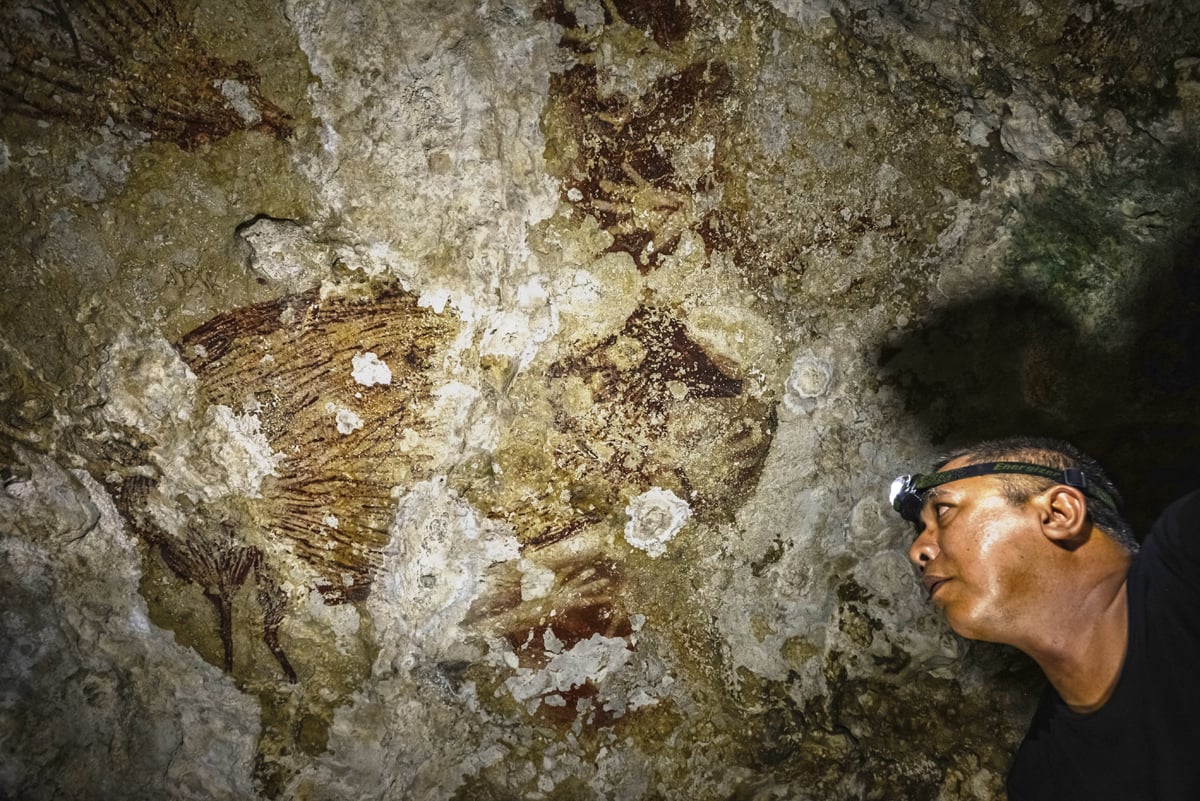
column 1064, row 516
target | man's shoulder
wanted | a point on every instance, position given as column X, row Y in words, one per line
column 1187, row 507
column 1147, row 733
column 1069, row 756
column 1178, row 527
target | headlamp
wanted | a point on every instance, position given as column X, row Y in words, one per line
column 908, row 492
column 908, row 500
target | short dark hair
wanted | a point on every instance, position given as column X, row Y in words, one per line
column 1057, row 454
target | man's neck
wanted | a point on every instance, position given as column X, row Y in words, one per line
column 1083, row 654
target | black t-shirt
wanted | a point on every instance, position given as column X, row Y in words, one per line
column 1144, row 743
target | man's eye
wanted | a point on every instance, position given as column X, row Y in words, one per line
column 939, row 508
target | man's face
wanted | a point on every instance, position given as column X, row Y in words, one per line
column 975, row 556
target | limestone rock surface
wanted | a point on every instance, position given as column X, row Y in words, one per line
column 498, row 400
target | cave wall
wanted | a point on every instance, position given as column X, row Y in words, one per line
column 497, row 400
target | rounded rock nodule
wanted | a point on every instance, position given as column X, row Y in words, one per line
column 811, row 377
column 655, row 517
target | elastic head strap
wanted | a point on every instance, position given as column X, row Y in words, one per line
column 1071, row 476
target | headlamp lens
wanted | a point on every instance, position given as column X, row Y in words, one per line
column 907, row 500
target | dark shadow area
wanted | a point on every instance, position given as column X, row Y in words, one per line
column 1010, row 363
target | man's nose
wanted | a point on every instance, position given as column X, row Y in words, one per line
column 923, row 550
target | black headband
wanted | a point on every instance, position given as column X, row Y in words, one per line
column 908, row 492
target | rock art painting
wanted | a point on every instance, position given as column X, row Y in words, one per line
column 622, row 171
column 340, row 388
column 666, row 21
column 343, row 392
column 643, row 166
column 608, row 454
column 642, row 415
column 338, row 391
column 137, row 66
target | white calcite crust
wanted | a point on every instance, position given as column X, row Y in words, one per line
column 653, row 520
column 370, row 370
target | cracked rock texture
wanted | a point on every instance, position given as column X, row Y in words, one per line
column 497, row 400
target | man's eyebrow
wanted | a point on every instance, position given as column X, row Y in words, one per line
column 936, row 492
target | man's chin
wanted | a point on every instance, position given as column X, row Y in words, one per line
column 972, row 629
column 960, row 624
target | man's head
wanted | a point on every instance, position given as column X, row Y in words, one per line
column 1103, row 499
column 1007, row 528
